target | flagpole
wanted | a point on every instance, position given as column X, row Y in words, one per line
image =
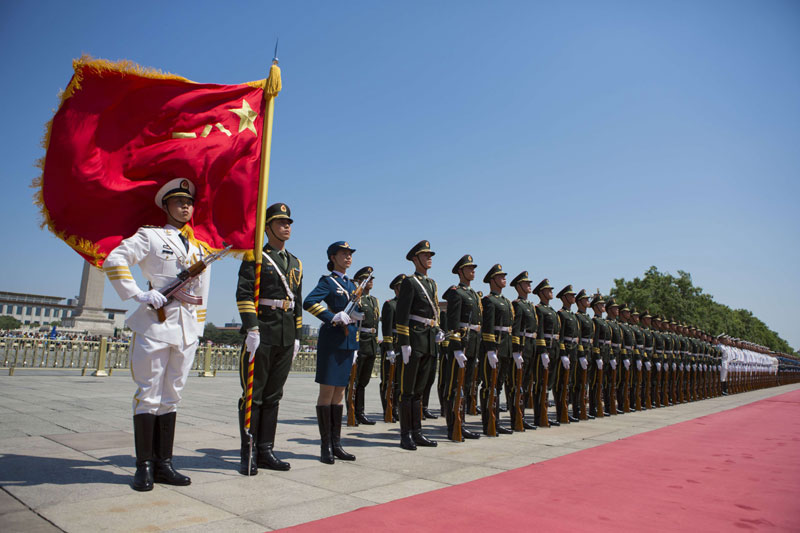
column 271, row 89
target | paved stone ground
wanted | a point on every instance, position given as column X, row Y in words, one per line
column 66, row 456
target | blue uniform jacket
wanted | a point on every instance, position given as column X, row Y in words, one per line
column 332, row 337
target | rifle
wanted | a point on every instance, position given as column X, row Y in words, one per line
column 175, row 290
column 648, row 391
column 626, row 389
column 350, row 309
column 457, row 404
column 351, row 396
column 582, row 394
column 388, row 416
column 638, row 390
column 518, row 400
column 543, row 422
column 491, row 429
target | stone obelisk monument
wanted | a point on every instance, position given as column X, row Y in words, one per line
column 89, row 315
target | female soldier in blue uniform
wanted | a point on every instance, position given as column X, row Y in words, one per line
column 336, row 349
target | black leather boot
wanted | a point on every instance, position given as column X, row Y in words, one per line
column 164, row 472
column 406, row 416
column 416, row 426
column 428, row 414
column 324, row 423
column 360, row 416
column 336, row 433
column 267, row 426
column 143, row 429
column 525, row 423
column 244, row 452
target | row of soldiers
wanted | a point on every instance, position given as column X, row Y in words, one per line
column 617, row 361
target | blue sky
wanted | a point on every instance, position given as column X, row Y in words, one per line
column 581, row 141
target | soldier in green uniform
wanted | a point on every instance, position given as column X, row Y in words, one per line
column 624, row 369
column 580, row 378
column 601, row 355
column 547, row 351
column 367, row 343
column 648, row 358
column 523, row 338
column 569, row 335
column 463, row 335
column 611, row 375
column 637, row 365
column 390, row 348
column 418, row 333
column 659, row 361
column 437, row 362
column 670, row 364
column 273, row 337
column 683, row 342
column 496, row 322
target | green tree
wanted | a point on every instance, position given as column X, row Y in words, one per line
column 221, row 336
column 676, row 297
column 9, row 322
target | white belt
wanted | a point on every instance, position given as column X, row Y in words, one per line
column 551, row 336
column 285, row 304
column 669, row 352
column 629, row 348
column 426, row 321
column 585, row 339
column 530, row 335
column 507, row 329
column 640, row 346
column 615, row 345
column 571, row 339
column 368, row 330
column 473, row 327
column 606, row 342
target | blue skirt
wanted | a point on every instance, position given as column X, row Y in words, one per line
column 333, row 367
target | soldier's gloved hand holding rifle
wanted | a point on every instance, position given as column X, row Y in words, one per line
column 565, row 361
column 639, row 365
column 342, row 318
column 152, row 298
column 492, row 356
column 545, row 359
column 584, row 363
column 439, row 336
column 390, row 356
column 355, row 357
column 296, row 348
column 517, row 359
column 647, row 365
column 461, row 359
column 627, row 363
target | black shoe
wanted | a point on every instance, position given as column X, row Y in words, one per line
column 527, row 425
column 467, row 434
column 590, row 417
column 503, row 409
column 336, row 434
column 501, row 430
column 268, row 423
column 573, row 419
column 361, row 418
column 163, row 438
column 606, row 413
column 143, row 430
column 428, row 414
column 143, row 478
column 324, row 423
column 555, row 423
column 245, row 460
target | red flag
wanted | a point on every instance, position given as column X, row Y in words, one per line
column 122, row 131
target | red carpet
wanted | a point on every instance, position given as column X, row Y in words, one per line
column 737, row 470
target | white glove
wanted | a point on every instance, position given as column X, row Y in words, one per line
column 584, row 363
column 613, row 363
column 565, row 361
column 674, row 366
column 151, row 297
column 599, row 364
column 342, row 318
column 439, row 336
column 406, row 350
column 681, row 366
column 252, row 341
column 492, row 356
column 647, row 365
column 627, row 363
column 658, row 367
column 705, row 368
column 545, row 359
column 694, row 366
column 461, row 359
column 390, row 355
column 355, row 357
column 296, row 349
column 517, row 359
column 639, row 365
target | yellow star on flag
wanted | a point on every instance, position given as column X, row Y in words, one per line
column 246, row 116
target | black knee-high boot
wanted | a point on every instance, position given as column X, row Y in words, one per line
column 143, row 429
column 324, row 423
column 336, row 433
column 164, row 472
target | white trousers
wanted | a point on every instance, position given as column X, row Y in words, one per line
column 160, row 371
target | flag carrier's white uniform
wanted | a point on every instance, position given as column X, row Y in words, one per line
column 161, row 353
